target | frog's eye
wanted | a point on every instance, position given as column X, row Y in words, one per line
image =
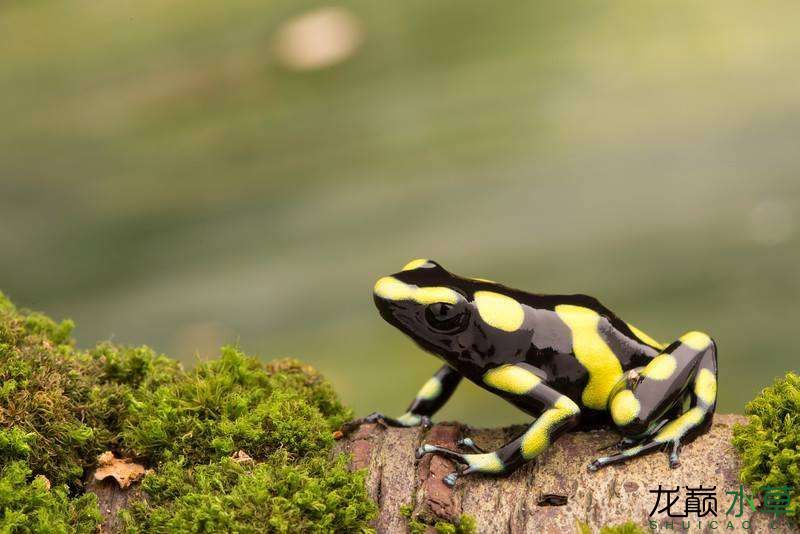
column 446, row 317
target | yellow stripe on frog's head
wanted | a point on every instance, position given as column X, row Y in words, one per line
column 415, row 264
column 390, row 288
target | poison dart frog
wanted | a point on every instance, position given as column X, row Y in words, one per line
column 566, row 360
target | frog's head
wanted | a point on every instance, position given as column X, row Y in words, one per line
column 427, row 303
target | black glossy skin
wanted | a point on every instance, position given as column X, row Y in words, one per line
column 549, row 380
column 544, row 341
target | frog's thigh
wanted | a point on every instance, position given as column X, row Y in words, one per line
column 703, row 389
column 687, row 367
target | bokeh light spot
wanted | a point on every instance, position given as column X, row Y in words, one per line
column 318, row 39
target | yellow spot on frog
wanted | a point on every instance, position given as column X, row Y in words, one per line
column 430, row 389
column 391, row 288
column 696, row 340
column 677, row 428
column 499, row 310
column 705, row 387
column 644, row 337
column 414, row 264
column 593, row 353
column 537, row 438
column 661, row 367
column 486, row 463
column 624, row 407
column 409, row 419
column 565, row 403
column 633, row 451
column 511, row 379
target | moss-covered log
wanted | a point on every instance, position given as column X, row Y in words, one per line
column 523, row 501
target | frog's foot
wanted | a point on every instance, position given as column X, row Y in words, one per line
column 628, row 442
column 451, row 478
column 685, row 370
column 405, row 420
column 674, row 459
column 468, row 444
column 620, row 445
column 485, row 462
column 624, row 455
column 673, row 446
column 427, row 448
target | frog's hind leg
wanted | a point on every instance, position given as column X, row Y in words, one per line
column 650, row 406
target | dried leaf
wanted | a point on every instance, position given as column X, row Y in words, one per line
column 123, row 470
column 241, row 457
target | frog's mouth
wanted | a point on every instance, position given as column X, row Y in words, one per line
column 409, row 317
column 398, row 313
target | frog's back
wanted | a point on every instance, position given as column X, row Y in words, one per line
column 582, row 346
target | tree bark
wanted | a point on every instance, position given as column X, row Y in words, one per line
column 519, row 502
column 112, row 499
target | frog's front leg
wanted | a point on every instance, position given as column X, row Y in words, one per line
column 431, row 396
column 521, row 380
column 647, row 404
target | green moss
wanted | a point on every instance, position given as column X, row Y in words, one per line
column 234, row 403
column 63, row 406
column 625, row 528
column 30, row 505
column 47, row 418
column 769, row 444
column 60, row 407
column 416, row 525
column 277, row 495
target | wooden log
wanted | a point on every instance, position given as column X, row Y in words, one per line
column 523, row 501
column 112, row 499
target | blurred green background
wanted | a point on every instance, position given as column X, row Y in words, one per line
column 190, row 173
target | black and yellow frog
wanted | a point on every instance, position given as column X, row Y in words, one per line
column 565, row 359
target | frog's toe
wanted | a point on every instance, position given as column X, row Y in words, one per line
column 619, row 445
column 600, row 462
column 350, row 426
column 450, row 479
column 424, row 449
column 468, row 444
column 674, row 456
